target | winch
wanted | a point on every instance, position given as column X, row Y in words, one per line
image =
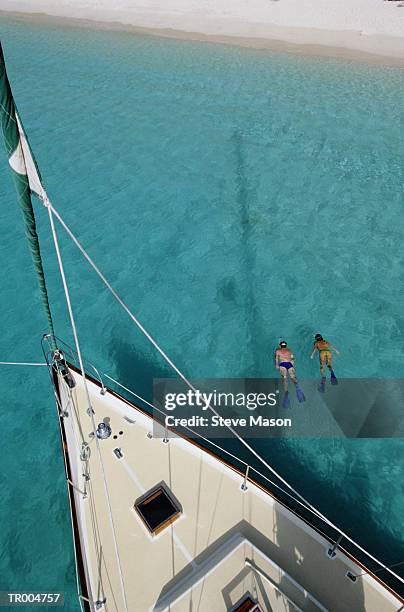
column 103, row 431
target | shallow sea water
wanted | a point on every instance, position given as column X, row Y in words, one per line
column 233, row 196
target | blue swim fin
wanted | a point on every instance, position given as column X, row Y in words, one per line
column 286, row 400
column 334, row 379
column 321, row 386
column 299, row 394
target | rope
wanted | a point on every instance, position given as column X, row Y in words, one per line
column 190, row 385
column 94, row 524
column 90, row 410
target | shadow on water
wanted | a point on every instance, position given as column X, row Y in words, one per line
column 244, row 195
column 136, row 369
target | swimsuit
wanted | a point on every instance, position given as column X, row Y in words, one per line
column 325, row 356
column 286, row 364
column 324, row 351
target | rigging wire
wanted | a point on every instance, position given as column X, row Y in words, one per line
column 88, row 486
column 51, row 209
column 21, row 363
column 90, row 410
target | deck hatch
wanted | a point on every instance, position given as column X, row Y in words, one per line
column 158, row 508
column 247, row 604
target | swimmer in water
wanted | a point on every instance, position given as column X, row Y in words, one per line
column 324, row 349
column 285, row 363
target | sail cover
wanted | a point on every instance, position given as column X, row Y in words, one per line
column 17, row 147
column 26, row 178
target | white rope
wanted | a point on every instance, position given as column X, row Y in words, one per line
column 90, row 410
column 190, row 385
column 21, row 363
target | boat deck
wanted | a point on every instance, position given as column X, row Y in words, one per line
column 225, row 544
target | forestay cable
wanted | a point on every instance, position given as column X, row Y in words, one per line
column 90, row 410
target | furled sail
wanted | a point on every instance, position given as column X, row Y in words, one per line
column 27, row 179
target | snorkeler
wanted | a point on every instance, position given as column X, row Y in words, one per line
column 324, row 349
column 285, row 363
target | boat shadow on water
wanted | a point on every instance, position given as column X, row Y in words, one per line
column 135, row 370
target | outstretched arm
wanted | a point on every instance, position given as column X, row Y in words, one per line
column 334, row 349
column 313, row 353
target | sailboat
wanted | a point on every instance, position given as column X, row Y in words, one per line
column 176, row 522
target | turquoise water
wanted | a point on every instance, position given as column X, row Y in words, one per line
column 232, row 196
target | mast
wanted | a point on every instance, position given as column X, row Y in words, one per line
column 27, row 180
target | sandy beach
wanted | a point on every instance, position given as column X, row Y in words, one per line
column 359, row 29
